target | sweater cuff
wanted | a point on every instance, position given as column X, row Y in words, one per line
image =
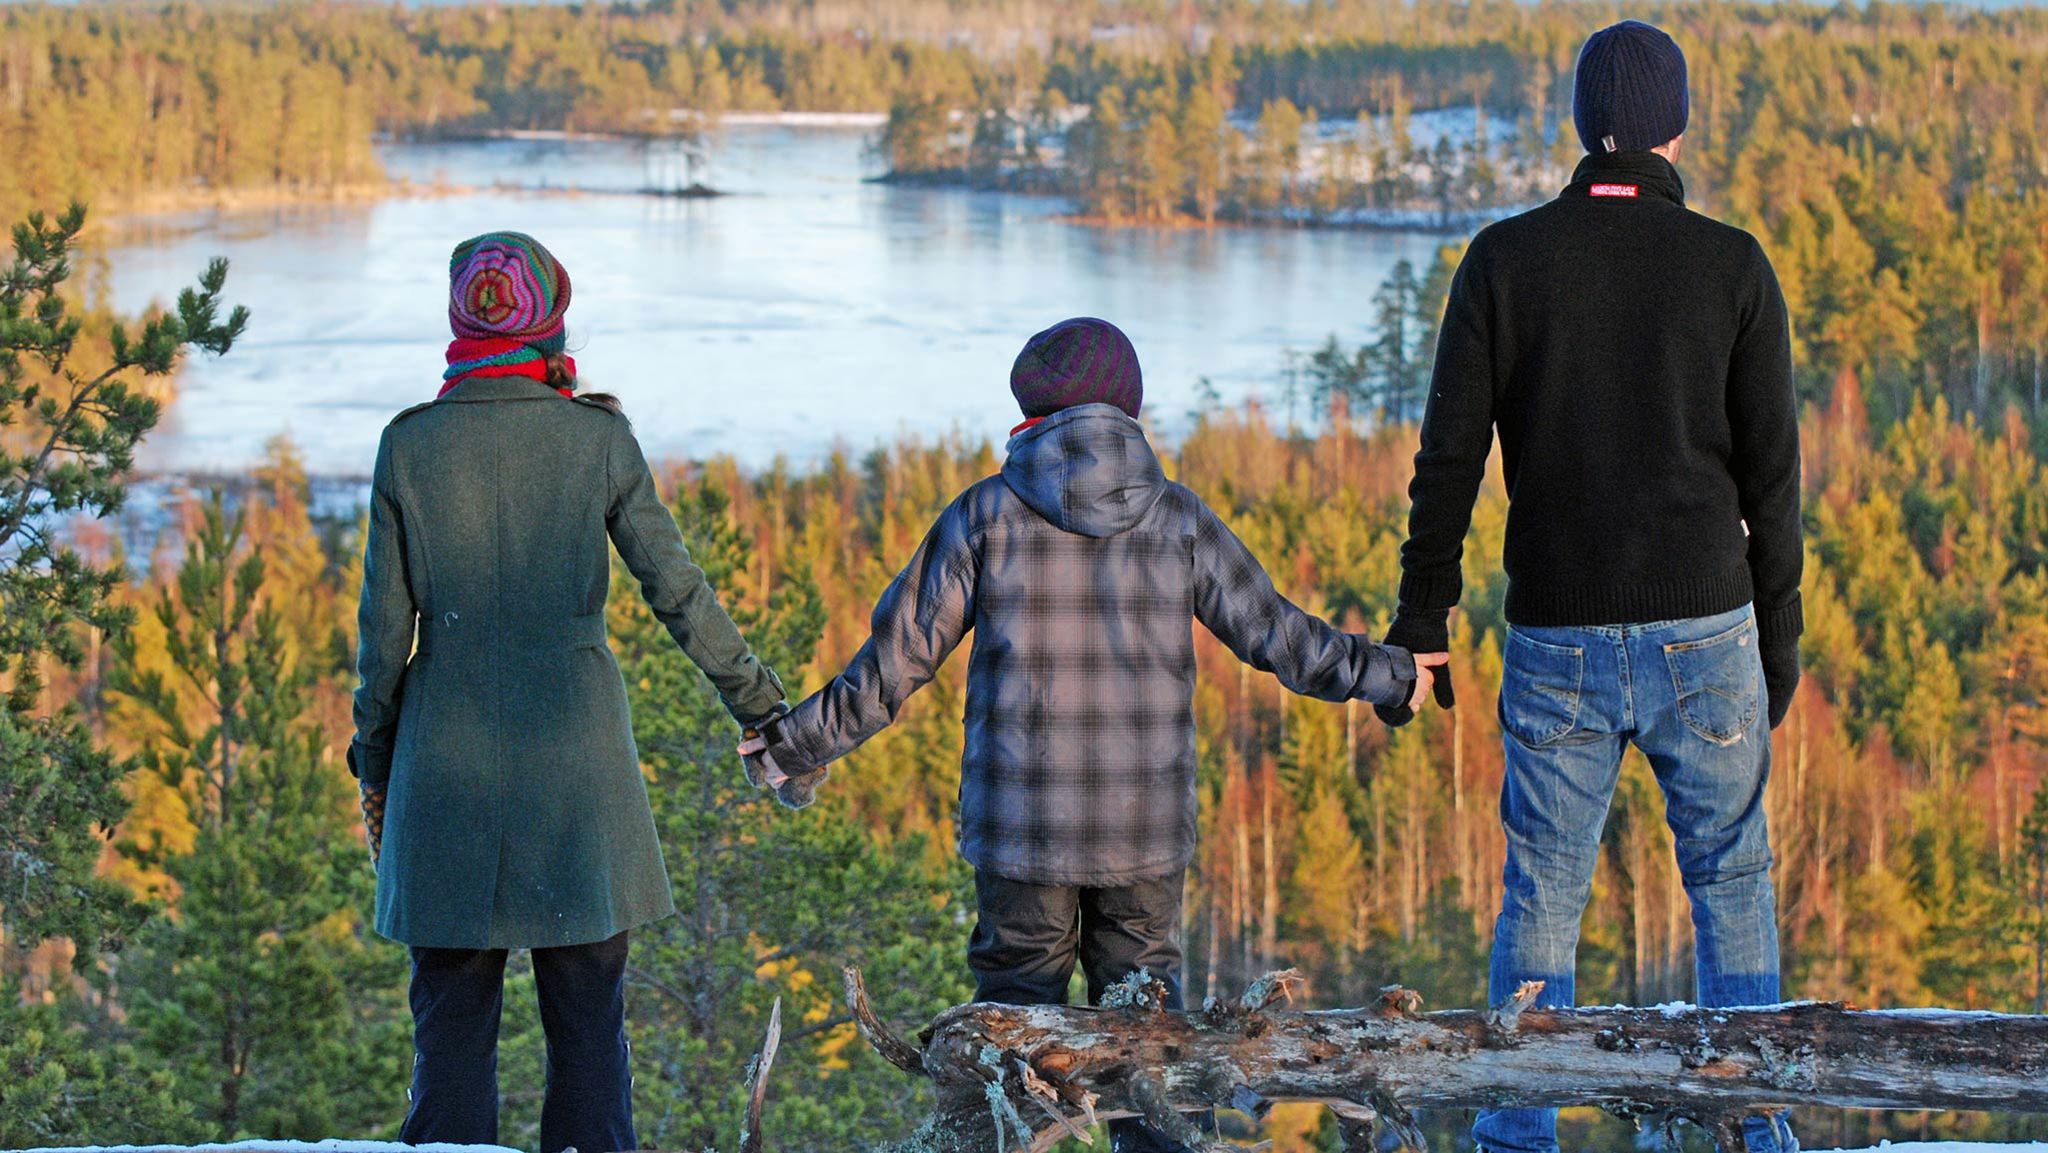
column 1420, row 631
column 1427, row 592
column 371, row 766
column 1782, row 626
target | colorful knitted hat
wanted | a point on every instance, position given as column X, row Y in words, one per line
column 1629, row 93
column 1079, row 361
column 505, row 285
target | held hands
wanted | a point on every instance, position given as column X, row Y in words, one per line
column 1427, row 635
column 1429, row 683
column 757, row 756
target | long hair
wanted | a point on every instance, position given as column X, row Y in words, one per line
column 559, row 376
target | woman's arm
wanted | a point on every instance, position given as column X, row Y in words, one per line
column 385, row 622
column 652, row 546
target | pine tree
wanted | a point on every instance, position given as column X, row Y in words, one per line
column 70, row 437
column 2030, row 904
column 770, row 902
column 258, row 990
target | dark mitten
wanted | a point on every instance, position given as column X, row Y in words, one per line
column 801, row 788
column 373, row 819
column 1781, row 679
column 1420, row 632
column 768, row 729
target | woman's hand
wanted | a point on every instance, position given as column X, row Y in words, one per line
column 373, row 819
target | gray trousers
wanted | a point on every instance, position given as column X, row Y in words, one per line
column 1028, row 937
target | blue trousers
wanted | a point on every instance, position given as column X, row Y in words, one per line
column 457, row 996
column 1690, row 695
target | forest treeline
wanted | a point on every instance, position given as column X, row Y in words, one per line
column 231, row 985
column 1894, row 159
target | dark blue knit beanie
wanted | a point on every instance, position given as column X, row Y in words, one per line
column 1630, row 92
column 1078, row 361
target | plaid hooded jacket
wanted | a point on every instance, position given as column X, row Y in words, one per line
column 1080, row 569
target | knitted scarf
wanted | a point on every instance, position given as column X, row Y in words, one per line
column 497, row 356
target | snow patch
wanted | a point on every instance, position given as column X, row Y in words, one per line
column 331, row 1145
column 1954, row 1147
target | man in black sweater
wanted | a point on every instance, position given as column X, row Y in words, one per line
column 1635, row 360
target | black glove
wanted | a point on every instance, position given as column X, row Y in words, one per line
column 1781, row 680
column 1420, row 632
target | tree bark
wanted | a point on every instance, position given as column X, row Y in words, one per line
column 1015, row 1077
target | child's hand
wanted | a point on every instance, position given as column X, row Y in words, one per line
column 1425, row 680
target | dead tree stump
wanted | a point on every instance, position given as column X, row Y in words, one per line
column 1020, row 1078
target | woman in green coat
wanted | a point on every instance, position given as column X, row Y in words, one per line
column 501, row 786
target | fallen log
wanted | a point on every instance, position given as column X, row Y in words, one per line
column 1015, row 1077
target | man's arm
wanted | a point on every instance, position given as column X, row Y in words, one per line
column 1457, row 436
column 1763, row 416
column 921, row 617
column 1236, row 600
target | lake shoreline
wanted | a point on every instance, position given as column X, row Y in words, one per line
column 1042, row 185
column 171, row 201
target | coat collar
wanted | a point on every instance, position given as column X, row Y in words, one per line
column 487, row 388
column 1604, row 175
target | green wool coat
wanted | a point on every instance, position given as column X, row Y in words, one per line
column 517, row 815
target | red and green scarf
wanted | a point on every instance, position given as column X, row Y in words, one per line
column 497, row 356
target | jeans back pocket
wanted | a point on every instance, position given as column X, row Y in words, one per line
column 1540, row 686
column 1718, row 682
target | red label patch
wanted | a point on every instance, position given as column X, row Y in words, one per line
column 1627, row 191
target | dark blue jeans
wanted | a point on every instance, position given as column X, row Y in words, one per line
column 1027, row 938
column 1690, row 695
column 457, row 995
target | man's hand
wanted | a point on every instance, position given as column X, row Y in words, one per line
column 1427, row 636
column 1427, row 683
column 373, row 819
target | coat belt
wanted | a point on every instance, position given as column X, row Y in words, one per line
column 450, row 628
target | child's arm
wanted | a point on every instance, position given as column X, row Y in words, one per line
column 1236, row 600
column 922, row 615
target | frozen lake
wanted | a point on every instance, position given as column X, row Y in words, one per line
column 808, row 311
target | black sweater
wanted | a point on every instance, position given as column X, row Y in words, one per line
column 1635, row 358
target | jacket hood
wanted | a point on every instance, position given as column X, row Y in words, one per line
column 1086, row 469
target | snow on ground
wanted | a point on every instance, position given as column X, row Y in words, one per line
column 1954, row 1147
column 331, row 1145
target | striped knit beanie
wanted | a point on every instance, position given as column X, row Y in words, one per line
column 1079, row 361
column 1630, row 91
column 504, row 285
